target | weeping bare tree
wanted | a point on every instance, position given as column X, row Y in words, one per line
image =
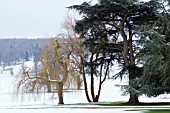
column 54, row 71
column 61, row 65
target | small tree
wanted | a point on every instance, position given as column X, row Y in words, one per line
column 97, row 63
column 26, row 56
column 36, row 54
column 75, row 46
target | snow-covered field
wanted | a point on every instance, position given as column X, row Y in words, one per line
column 48, row 102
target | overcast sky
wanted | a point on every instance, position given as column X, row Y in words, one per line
column 32, row 18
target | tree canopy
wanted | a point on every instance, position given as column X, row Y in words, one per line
column 156, row 55
column 131, row 27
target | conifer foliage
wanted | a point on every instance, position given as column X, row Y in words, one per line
column 121, row 24
column 156, row 54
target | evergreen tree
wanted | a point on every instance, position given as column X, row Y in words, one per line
column 36, row 54
column 156, row 55
column 114, row 22
column 26, row 56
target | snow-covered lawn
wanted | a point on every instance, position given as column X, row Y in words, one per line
column 45, row 102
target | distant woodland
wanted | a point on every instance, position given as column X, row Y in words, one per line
column 13, row 50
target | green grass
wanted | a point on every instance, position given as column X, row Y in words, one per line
column 152, row 111
column 157, row 111
column 113, row 104
column 140, row 104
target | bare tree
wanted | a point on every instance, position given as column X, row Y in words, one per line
column 61, row 64
column 54, row 71
column 77, row 48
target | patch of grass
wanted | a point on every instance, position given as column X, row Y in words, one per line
column 113, row 104
column 157, row 111
column 140, row 104
column 133, row 110
column 155, row 104
column 153, row 111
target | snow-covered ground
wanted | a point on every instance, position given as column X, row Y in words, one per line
column 46, row 102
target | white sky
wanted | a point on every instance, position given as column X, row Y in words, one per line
column 33, row 18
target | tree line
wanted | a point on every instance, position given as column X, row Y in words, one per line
column 13, row 50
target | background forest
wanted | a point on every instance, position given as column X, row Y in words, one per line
column 13, row 50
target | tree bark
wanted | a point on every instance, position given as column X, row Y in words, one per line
column 92, row 79
column 133, row 99
column 60, row 93
column 129, row 60
column 48, row 86
column 86, row 89
column 96, row 98
column 78, row 83
column 84, row 81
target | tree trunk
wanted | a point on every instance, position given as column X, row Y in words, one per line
column 129, row 59
column 133, row 99
column 92, row 88
column 60, row 93
column 96, row 98
column 79, row 82
column 85, row 82
column 48, row 86
column 86, row 89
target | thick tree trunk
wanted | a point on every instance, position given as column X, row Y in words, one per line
column 129, row 59
column 133, row 99
column 60, row 93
